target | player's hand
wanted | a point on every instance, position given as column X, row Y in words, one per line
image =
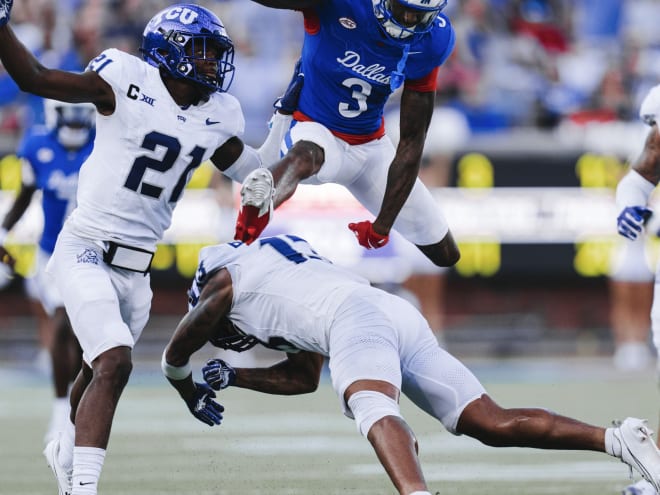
column 631, row 220
column 218, row 374
column 5, row 10
column 366, row 236
column 288, row 102
column 203, row 407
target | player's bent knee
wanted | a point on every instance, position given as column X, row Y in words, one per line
column 369, row 406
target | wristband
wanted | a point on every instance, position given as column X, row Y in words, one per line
column 3, row 236
column 175, row 372
column 633, row 190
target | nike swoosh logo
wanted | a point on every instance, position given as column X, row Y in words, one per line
column 86, row 483
column 211, row 122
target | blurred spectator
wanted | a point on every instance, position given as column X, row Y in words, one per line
column 517, row 63
column 543, row 20
column 265, row 59
column 597, row 22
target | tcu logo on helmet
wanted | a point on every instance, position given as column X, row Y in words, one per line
column 183, row 14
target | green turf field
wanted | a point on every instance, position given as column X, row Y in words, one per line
column 303, row 445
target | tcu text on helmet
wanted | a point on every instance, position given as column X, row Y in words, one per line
column 183, row 14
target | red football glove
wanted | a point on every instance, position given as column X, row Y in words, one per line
column 366, row 237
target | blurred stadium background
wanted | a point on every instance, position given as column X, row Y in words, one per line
column 536, row 121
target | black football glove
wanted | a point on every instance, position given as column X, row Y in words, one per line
column 203, row 407
column 218, row 374
column 5, row 10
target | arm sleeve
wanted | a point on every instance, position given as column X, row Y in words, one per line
column 633, row 190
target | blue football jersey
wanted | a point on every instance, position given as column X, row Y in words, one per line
column 56, row 175
column 348, row 62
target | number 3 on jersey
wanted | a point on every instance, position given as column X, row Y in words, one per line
column 361, row 90
column 172, row 147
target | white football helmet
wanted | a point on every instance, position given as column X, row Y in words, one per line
column 72, row 121
column 389, row 14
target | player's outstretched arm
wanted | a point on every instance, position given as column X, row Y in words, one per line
column 299, row 373
column 416, row 112
column 202, row 322
column 32, row 77
column 194, row 330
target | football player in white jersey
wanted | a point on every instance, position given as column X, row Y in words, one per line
column 632, row 198
column 280, row 293
column 158, row 118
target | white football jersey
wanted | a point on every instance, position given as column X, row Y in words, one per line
column 285, row 294
column 145, row 153
column 650, row 107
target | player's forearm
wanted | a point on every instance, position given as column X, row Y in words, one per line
column 17, row 60
column 400, row 181
column 283, row 378
column 185, row 387
column 416, row 112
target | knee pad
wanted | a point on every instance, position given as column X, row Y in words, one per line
column 369, row 406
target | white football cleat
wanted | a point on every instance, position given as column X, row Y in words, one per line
column 642, row 487
column 62, row 475
column 258, row 190
column 638, row 449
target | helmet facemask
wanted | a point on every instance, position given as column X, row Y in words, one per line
column 201, row 51
column 390, row 16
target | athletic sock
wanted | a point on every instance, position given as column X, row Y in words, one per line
column 612, row 443
column 87, row 465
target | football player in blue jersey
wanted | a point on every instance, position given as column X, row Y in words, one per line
column 355, row 54
column 51, row 157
